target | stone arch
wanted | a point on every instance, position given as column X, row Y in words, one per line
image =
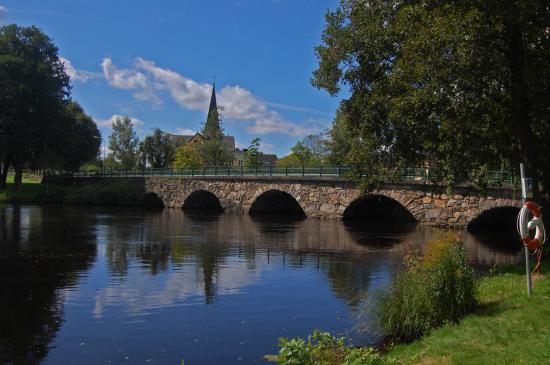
column 202, row 200
column 152, row 199
column 378, row 207
column 492, row 214
column 275, row 201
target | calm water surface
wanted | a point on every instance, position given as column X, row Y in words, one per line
column 100, row 286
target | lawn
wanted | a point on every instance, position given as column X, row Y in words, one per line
column 119, row 193
column 507, row 328
column 32, row 192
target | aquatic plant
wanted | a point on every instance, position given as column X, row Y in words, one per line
column 433, row 290
column 321, row 348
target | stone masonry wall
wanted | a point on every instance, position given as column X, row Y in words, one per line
column 329, row 199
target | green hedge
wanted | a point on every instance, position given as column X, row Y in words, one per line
column 114, row 193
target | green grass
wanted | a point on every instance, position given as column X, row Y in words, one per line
column 25, row 180
column 507, row 328
column 32, row 191
column 115, row 193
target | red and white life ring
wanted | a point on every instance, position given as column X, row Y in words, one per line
column 525, row 225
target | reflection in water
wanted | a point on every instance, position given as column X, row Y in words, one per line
column 101, row 284
column 39, row 255
column 379, row 234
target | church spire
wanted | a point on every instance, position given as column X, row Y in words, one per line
column 212, row 126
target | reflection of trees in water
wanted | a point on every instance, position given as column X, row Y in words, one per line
column 39, row 257
column 348, row 279
column 154, row 256
column 130, row 235
column 44, row 249
column 347, row 253
column 158, row 239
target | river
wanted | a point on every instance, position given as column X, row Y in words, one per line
column 81, row 285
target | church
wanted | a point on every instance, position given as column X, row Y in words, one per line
column 212, row 130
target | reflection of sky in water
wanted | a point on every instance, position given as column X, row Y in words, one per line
column 139, row 294
column 137, row 286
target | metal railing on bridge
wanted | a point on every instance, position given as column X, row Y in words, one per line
column 324, row 171
column 414, row 175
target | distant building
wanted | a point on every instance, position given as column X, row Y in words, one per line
column 265, row 158
column 212, row 130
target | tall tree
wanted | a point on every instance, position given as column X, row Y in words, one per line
column 459, row 84
column 302, row 152
column 289, row 161
column 340, row 141
column 187, row 157
column 253, row 155
column 34, row 90
column 123, row 143
column 72, row 140
column 317, row 145
column 214, row 153
column 213, row 150
column 158, row 149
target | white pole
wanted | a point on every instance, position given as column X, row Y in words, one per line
column 103, row 160
column 525, row 193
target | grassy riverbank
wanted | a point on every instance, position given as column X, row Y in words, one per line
column 507, row 327
column 32, row 191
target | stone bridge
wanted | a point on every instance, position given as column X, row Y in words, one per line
column 327, row 198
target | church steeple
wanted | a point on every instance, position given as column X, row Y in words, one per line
column 212, row 126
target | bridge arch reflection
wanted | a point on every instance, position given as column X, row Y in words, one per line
column 503, row 217
column 152, row 200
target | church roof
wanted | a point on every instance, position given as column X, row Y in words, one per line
column 212, row 126
column 229, row 143
column 213, row 104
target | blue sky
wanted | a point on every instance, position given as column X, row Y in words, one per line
column 154, row 61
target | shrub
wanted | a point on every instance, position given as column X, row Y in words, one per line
column 433, row 290
column 321, row 348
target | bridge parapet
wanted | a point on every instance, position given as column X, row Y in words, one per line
column 409, row 175
column 324, row 197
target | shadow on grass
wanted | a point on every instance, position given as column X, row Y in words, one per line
column 32, row 193
column 489, row 309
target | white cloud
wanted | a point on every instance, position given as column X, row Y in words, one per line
column 77, row 75
column 108, row 123
column 185, row 131
column 104, row 151
column 130, row 80
column 3, row 12
column 266, row 147
column 148, row 81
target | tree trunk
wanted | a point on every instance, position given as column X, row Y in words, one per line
column 4, row 172
column 520, row 102
column 18, row 178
